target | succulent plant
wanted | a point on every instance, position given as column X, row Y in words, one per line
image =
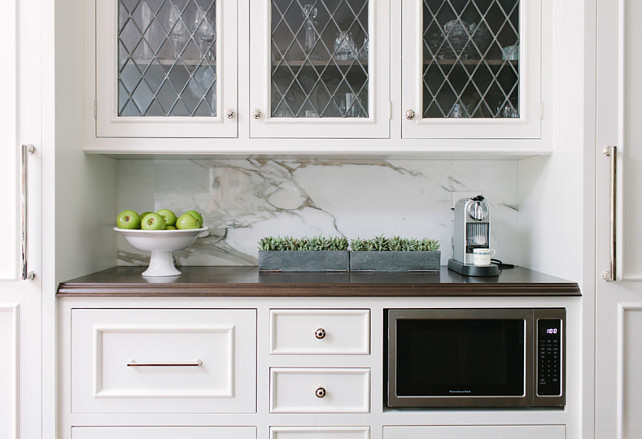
column 316, row 243
column 396, row 243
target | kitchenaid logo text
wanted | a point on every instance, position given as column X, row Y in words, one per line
column 460, row 391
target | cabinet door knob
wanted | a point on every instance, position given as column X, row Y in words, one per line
column 229, row 113
column 256, row 114
column 410, row 114
column 320, row 392
column 320, row 333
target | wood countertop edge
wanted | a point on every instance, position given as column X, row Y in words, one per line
column 316, row 290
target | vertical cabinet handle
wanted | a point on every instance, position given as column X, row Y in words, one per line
column 611, row 275
column 26, row 150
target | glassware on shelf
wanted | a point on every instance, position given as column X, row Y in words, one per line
column 204, row 35
column 146, row 20
column 510, row 53
column 309, row 24
column 344, row 48
column 457, row 34
column 363, row 52
column 349, row 105
column 178, row 32
column 459, row 111
column 507, row 110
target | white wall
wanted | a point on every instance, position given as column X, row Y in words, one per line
column 85, row 186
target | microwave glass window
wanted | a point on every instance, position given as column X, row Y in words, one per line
column 460, row 357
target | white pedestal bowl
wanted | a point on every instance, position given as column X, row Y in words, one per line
column 161, row 243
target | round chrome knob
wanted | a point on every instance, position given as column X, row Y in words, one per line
column 410, row 114
column 256, row 114
column 320, row 392
column 320, row 333
column 229, row 113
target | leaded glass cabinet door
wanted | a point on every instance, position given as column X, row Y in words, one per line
column 166, row 68
column 319, row 68
column 471, row 69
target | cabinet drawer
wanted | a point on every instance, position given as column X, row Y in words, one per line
column 320, row 331
column 322, row 390
column 163, row 432
column 171, row 360
column 477, row 432
column 319, row 432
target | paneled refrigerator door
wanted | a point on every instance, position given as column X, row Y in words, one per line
column 618, row 270
column 20, row 249
column 471, row 69
column 166, row 68
column 319, row 68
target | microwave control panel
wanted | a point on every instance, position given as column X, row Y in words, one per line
column 549, row 363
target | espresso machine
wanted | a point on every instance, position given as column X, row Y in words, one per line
column 471, row 230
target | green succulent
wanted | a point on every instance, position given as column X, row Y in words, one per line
column 396, row 243
column 316, row 243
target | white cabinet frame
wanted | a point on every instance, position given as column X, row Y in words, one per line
column 109, row 124
column 530, row 50
column 377, row 125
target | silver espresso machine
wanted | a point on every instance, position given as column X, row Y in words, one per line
column 471, row 230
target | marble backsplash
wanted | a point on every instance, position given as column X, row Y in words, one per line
column 244, row 200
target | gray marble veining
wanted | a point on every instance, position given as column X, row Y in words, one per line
column 244, row 200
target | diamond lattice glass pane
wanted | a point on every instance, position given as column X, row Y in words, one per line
column 471, row 59
column 167, row 58
column 320, row 58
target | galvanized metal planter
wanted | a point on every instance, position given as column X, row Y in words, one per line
column 394, row 261
column 304, row 260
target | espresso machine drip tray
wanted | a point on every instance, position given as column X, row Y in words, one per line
column 473, row 270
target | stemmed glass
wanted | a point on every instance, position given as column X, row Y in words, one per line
column 309, row 23
column 178, row 32
column 204, row 35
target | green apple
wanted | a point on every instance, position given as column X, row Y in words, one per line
column 198, row 217
column 128, row 219
column 168, row 216
column 153, row 221
column 170, row 228
column 187, row 221
column 142, row 215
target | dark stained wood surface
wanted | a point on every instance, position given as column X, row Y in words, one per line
column 247, row 281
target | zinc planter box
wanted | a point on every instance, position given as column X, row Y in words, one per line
column 304, row 260
column 399, row 261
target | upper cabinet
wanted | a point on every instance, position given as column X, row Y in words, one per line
column 348, row 76
column 471, row 69
column 166, row 68
column 319, row 68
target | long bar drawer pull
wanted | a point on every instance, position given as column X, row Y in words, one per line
column 132, row 363
column 26, row 151
column 611, row 275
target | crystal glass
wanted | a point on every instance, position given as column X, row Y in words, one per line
column 204, row 34
column 344, row 48
column 309, row 23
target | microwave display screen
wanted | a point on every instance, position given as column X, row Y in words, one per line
column 467, row 357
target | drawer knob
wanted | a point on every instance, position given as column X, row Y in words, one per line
column 320, row 333
column 320, row 392
column 410, row 114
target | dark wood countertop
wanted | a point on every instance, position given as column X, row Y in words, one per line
column 247, row 281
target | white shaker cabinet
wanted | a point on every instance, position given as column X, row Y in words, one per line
column 471, row 70
column 165, row 68
column 347, row 76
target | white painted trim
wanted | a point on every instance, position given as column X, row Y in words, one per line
column 12, row 360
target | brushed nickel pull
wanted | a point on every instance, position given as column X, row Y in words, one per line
column 320, row 333
column 320, row 392
column 132, row 363
column 410, row 114
column 27, row 150
column 256, row 114
column 611, row 275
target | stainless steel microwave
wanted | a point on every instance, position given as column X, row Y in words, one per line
column 482, row 357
